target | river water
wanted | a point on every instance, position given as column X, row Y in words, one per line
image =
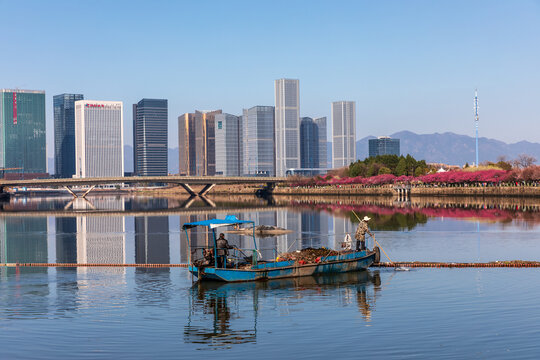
column 117, row 312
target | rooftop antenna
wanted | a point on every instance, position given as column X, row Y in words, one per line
column 476, row 118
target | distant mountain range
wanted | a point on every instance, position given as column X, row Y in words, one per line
column 453, row 149
column 172, row 159
column 448, row 148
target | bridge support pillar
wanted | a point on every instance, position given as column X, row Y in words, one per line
column 188, row 189
column 70, row 191
column 87, row 191
column 206, row 189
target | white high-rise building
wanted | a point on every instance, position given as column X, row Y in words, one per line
column 343, row 133
column 99, row 139
column 287, row 125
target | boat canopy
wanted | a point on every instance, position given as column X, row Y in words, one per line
column 214, row 223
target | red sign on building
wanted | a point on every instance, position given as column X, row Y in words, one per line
column 14, row 108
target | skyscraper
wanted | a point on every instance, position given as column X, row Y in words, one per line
column 64, row 134
column 287, row 125
column 321, row 124
column 343, row 133
column 99, row 138
column 22, row 132
column 258, row 141
column 228, row 144
column 383, row 145
column 150, row 137
column 197, row 143
column 309, row 144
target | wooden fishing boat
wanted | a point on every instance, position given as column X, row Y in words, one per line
column 239, row 267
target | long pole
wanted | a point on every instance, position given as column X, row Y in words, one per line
column 476, row 118
column 376, row 242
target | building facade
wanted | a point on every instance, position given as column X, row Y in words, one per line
column 309, row 144
column 383, row 145
column 343, row 133
column 150, row 137
column 323, row 141
column 197, row 143
column 229, row 147
column 99, row 139
column 23, row 133
column 287, row 125
column 258, row 141
column 64, row 134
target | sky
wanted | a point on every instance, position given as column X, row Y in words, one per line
column 409, row 65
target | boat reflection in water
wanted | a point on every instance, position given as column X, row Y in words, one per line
column 220, row 312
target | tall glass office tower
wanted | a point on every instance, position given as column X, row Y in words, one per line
column 321, row 124
column 197, row 143
column 258, row 141
column 309, row 144
column 287, row 125
column 228, row 144
column 150, row 137
column 64, row 134
column 22, row 131
column 343, row 133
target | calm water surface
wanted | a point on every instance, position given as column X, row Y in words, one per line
column 147, row 313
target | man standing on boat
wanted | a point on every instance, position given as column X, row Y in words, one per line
column 222, row 245
column 360, row 234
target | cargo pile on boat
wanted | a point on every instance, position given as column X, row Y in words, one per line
column 308, row 255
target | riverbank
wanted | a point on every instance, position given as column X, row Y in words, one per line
column 358, row 190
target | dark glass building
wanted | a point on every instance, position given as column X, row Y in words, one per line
column 64, row 134
column 309, row 144
column 150, row 137
column 22, row 132
column 383, row 145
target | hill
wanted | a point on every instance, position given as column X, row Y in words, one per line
column 452, row 148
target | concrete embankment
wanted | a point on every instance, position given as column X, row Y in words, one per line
column 357, row 190
column 495, row 191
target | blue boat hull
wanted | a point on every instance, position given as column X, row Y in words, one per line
column 287, row 269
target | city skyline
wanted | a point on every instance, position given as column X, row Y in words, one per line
column 414, row 66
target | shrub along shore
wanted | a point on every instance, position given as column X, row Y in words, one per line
column 491, row 182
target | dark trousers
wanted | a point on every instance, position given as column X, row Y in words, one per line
column 220, row 261
column 360, row 245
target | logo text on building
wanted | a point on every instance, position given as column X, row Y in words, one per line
column 14, row 108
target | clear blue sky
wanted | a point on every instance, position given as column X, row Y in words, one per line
column 409, row 65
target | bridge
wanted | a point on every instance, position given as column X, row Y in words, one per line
column 184, row 181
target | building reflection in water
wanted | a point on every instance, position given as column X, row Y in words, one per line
column 66, row 240
column 101, row 239
column 227, row 313
column 309, row 229
column 24, row 240
column 342, row 227
column 152, row 240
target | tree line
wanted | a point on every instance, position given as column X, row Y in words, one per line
column 388, row 164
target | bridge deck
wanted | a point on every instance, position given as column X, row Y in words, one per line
column 192, row 180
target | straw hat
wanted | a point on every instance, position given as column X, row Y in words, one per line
column 366, row 218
